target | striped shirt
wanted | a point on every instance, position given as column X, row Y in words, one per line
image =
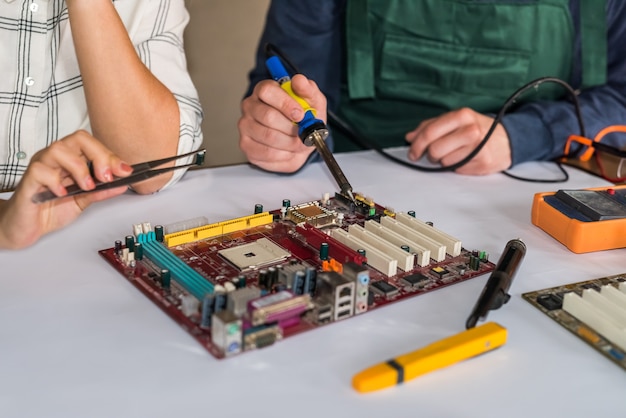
column 41, row 90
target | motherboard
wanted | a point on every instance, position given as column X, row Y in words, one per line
column 593, row 310
column 245, row 283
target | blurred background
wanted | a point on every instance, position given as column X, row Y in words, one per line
column 220, row 41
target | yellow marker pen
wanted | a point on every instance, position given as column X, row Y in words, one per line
column 435, row 356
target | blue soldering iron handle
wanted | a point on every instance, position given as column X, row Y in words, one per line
column 310, row 123
column 277, row 69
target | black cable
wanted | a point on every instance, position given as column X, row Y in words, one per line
column 361, row 140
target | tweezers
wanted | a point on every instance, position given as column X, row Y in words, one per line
column 141, row 171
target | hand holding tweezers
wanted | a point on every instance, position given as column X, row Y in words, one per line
column 141, row 171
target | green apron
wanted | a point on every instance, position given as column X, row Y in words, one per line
column 410, row 60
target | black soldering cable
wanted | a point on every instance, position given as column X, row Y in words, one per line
column 358, row 138
column 362, row 141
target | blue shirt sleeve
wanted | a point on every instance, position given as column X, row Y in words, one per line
column 310, row 33
column 539, row 131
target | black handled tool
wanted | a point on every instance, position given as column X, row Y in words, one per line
column 495, row 293
column 141, row 171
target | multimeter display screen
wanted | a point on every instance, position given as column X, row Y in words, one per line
column 594, row 204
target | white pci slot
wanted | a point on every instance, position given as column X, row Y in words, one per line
column 452, row 244
column 615, row 295
column 375, row 258
column 437, row 250
column 587, row 310
column 406, row 260
column 423, row 254
column 606, row 305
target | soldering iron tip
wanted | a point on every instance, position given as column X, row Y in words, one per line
column 351, row 196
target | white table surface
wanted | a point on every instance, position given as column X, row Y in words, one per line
column 78, row 340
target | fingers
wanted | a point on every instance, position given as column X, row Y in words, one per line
column 23, row 222
column 267, row 132
column 464, row 137
column 310, row 92
column 66, row 161
column 71, row 154
column 39, row 174
column 434, row 129
column 265, row 124
column 451, row 137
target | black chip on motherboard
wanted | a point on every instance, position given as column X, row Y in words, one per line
column 550, row 302
column 384, row 289
column 414, row 279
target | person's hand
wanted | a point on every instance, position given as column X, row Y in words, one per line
column 449, row 138
column 267, row 133
column 23, row 222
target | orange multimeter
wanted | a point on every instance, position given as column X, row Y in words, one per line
column 583, row 220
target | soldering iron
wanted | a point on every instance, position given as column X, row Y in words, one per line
column 311, row 130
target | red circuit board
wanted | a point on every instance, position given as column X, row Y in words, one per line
column 302, row 243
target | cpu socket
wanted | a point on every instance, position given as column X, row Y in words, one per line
column 259, row 253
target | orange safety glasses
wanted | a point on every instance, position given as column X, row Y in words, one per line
column 601, row 151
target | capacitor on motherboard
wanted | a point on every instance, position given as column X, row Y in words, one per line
column 165, row 279
column 138, row 251
column 158, row 233
column 130, row 243
column 272, row 273
column 411, row 213
column 310, row 280
column 286, row 203
column 297, row 286
column 200, row 158
column 405, row 248
column 474, row 262
column 258, row 208
column 324, row 248
column 118, row 247
column 263, row 279
column 241, row 281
